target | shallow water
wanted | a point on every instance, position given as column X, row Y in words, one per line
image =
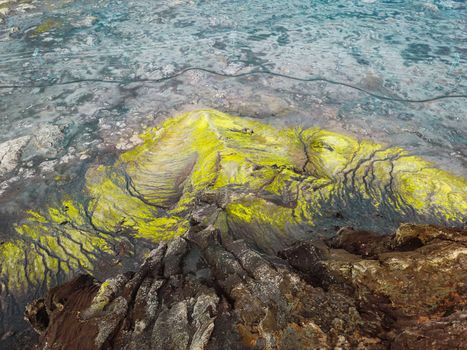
column 79, row 79
column 103, row 70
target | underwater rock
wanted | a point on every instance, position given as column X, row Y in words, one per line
column 247, row 179
column 207, row 291
column 9, row 6
column 10, row 153
column 45, row 27
column 45, row 143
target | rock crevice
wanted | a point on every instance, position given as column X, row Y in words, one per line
column 204, row 290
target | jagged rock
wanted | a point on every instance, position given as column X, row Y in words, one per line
column 207, row 291
column 10, row 153
column 395, row 276
column 446, row 333
column 249, row 180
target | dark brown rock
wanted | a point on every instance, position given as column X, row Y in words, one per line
column 203, row 291
column 446, row 333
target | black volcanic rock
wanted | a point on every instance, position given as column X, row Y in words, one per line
column 207, row 291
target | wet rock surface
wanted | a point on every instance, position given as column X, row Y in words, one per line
column 244, row 179
column 10, row 152
column 268, row 186
column 204, row 290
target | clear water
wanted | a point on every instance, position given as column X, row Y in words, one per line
column 79, row 78
column 87, row 74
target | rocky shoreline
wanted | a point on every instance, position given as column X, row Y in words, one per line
column 204, row 290
column 222, row 209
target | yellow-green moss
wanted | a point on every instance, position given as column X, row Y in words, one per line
column 275, row 178
column 46, row 26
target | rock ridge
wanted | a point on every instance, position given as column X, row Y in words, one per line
column 205, row 290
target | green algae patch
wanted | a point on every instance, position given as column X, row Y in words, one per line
column 46, row 26
column 273, row 183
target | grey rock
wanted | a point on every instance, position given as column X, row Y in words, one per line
column 10, row 153
column 45, row 143
column 205, row 291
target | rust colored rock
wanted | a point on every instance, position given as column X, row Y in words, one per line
column 446, row 333
column 203, row 291
column 57, row 316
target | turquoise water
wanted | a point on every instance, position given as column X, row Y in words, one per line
column 79, row 78
column 89, row 74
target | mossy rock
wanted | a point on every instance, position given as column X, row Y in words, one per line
column 46, row 26
column 275, row 185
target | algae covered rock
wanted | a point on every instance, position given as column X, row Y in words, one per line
column 250, row 180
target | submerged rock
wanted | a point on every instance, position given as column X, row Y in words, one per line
column 10, row 154
column 207, row 291
column 247, row 179
column 45, row 143
column 9, row 6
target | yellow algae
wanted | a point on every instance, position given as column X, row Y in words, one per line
column 253, row 210
column 11, row 264
column 68, row 212
column 46, row 26
column 273, row 182
column 74, row 211
column 34, row 216
column 31, row 230
column 111, row 205
column 161, row 229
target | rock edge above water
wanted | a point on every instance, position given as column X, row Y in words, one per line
column 267, row 185
column 357, row 290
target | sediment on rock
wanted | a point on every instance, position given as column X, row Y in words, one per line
column 204, row 290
